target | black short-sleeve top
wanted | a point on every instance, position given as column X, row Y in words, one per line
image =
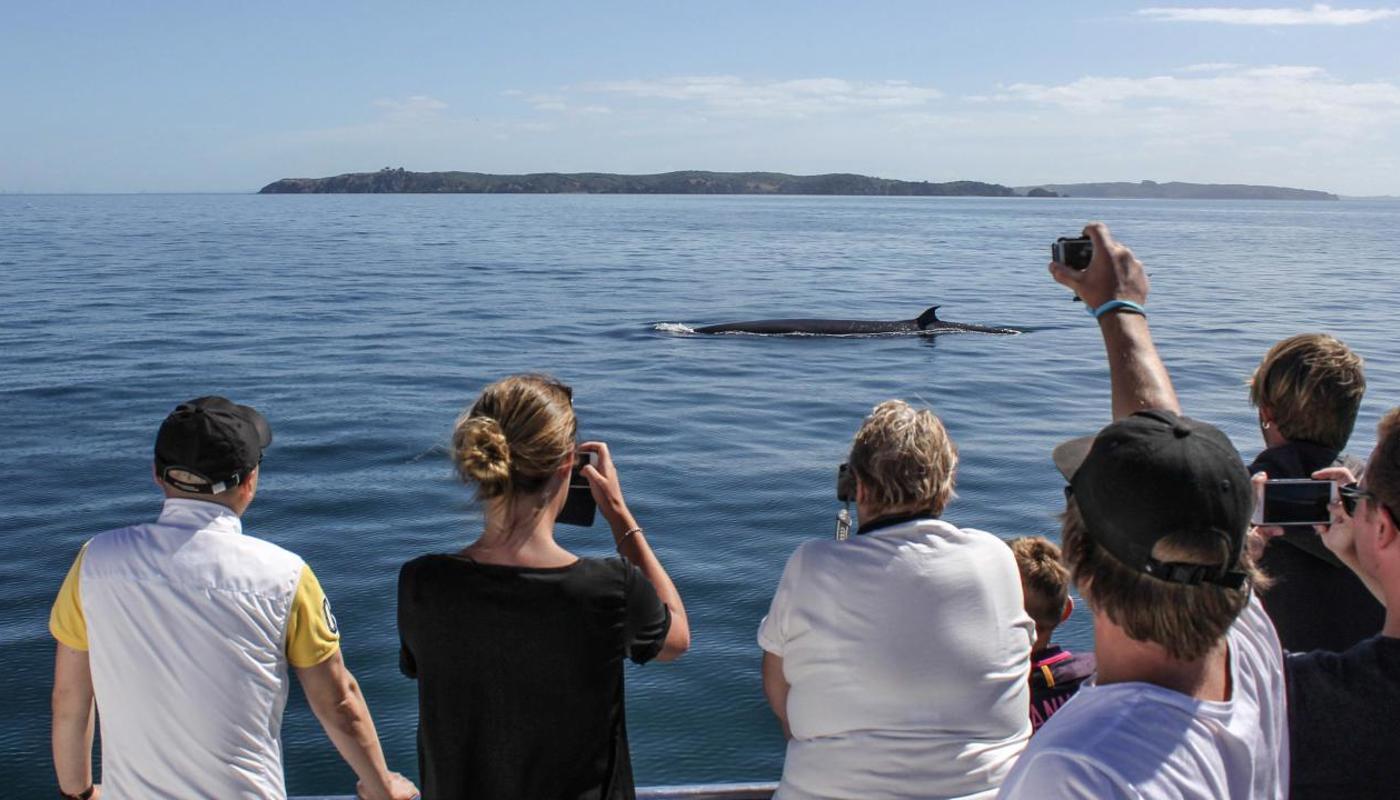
column 519, row 674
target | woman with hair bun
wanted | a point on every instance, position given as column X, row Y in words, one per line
column 516, row 643
column 896, row 660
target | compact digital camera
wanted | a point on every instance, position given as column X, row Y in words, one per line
column 845, row 484
column 1075, row 253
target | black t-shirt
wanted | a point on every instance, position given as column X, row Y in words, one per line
column 1343, row 710
column 519, row 674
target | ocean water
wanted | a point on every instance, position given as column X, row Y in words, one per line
column 361, row 326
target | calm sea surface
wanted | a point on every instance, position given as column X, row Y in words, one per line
column 361, row 326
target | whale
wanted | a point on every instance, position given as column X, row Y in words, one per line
column 926, row 323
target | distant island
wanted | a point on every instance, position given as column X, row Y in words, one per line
column 401, row 181
column 689, row 182
column 1151, row 190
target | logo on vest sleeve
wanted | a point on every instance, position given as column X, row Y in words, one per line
column 331, row 624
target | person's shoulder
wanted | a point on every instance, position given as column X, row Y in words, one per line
column 1377, row 650
column 972, row 538
column 430, row 566
column 607, row 570
column 1115, row 724
column 271, row 554
column 116, row 540
column 1076, row 753
column 1254, row 630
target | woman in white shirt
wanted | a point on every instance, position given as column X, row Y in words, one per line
column 896, row 660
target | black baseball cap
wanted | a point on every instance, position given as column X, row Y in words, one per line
column 1155, row 474
column 214, row 439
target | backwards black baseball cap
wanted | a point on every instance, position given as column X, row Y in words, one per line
column 1156, row 474
column 214, row 439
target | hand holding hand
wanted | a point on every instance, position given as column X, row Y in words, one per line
column 1112, row 274
column 603, row 481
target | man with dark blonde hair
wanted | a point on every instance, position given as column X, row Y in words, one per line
column 1308, row 390
column 1189, row 698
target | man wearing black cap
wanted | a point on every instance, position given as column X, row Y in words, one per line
column 182, row 630
column 1189, row 699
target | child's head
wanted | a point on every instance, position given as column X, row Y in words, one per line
column 1045, row 583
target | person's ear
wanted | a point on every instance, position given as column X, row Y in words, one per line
column 861, row 494
column 1387, row 531
column 1069, row 609
column 251, row 484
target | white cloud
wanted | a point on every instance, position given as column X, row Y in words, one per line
column 1319, row 14
column 727, row 94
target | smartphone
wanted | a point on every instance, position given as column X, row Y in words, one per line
column 1294, row 502
column 1075, row 253
column 579, row 507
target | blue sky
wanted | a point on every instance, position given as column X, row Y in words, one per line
column 148, row 96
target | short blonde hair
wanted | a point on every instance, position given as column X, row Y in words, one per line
column 1311, row 384
column 1044, row 580
column 904, row 458
column 517, row 433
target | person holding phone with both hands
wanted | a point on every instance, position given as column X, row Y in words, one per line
column 516, row 643
column 1342, row 706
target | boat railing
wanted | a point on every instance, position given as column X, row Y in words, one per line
column 690, row 791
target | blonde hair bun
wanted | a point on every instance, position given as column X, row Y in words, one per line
column 482, row 454
column 513, row 438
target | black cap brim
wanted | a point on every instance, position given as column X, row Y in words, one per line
column 1070, row 454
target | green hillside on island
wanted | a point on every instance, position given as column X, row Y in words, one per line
column 389, row 181
column 401, row 181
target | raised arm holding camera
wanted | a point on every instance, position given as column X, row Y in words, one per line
column 1189, row 697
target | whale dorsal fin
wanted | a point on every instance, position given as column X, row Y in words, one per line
column 927, row 318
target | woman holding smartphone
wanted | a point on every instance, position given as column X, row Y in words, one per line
column 516, row 643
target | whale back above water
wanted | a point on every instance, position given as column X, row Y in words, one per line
column 927, row 322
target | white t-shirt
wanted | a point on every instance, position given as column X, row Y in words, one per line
column 907, row 651
column 1138, row 740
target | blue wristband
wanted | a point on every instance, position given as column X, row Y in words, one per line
column 1114, row 305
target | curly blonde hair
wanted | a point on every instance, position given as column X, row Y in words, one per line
column 904, row 458
column 516, row 434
